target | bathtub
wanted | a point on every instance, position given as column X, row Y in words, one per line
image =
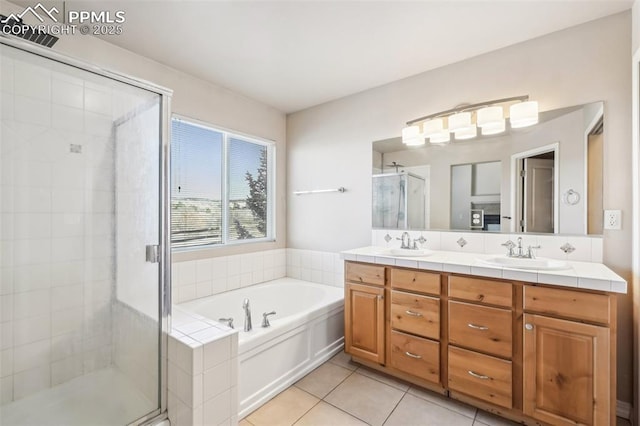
column 307, row 330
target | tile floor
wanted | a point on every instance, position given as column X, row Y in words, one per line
column 341, row 392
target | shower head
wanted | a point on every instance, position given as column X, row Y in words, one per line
column 396, row 165
column 15, row 26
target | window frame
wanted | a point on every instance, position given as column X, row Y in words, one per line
column 227, row 135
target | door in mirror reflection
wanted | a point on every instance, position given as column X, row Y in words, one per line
column 536, row 210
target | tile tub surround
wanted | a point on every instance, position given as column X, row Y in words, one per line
column 586, row 275
column 587, row 248
column 203, row 371
column 201, row 278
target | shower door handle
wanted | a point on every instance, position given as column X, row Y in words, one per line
column 153, row 253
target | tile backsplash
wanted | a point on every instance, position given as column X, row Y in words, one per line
column 586, row 248
column 201, row 278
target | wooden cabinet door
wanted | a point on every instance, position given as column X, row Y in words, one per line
column 566, row 371
column 364, row 322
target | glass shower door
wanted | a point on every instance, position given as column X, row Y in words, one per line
column 80, row 201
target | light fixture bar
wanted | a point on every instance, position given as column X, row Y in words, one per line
column 468, row 108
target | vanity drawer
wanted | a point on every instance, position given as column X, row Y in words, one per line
column 568, row 303
column 481, row 376
column 422, row 282
column 415, row 314
column 416, row 356
column 481, row 327
column 481, row 290
column 365, row 274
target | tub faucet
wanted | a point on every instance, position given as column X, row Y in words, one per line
column 228, row 321
column 265, row 318
column 247, row 315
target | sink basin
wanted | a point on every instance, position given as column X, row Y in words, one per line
column 518, row 263
column 408, row 252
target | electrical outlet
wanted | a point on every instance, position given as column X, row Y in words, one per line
column 612, row 219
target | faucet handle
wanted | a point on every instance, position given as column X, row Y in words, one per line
column 229, row 321
column 265, row 319
column 530, row 253
column 509, row 244
column 421, row 240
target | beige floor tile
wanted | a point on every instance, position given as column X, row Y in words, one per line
column 384, row 378
column 367, row 399
column 417, row 411
column 325, row 414
column 484, row 418
column 451, row 404
column 343, row 359
column 323, row 379
column 244, row 422
column 284, row 409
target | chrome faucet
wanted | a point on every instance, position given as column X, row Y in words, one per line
column 519, row 253
column 407, row 244
column 247, row 315
column 265, row 319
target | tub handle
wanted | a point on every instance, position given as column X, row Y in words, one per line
column 265, row 318
column 229, row 321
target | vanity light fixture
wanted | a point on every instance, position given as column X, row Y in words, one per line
column 489, row 117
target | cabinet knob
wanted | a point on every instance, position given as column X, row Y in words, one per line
column 528, row 327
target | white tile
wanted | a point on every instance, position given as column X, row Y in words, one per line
column 67, row 225
column 96, row 124
column 245, row 279
column 31, row 252
column 293, row 272
column 97, row 101
column 219, row 285
column 233, row 265
column 186, row 273
column 269, row 274
column 32, row 329
column 432, row 266
column 557, row 279
column 293, row 258
column 328, row 262
column 69, row 173
column 406, row 263
column 550, row 247
column 448, row 241
column 217, row 409
column 305, row 274
column 305, row 259
column 67, row 93
column 281, row 258
column 186, row 293
column 209, row 334
column 191, row 327
column 512, row 274
column 328, row 278
column 67, row 200
column 594, row 284
column 316, row 276
column 32, row 80
column 217, row 380
column 280, row 271
column 68, row 249
column 618, row 286
column 385, row 260
column 6, row 335
column 67, row 118
column 6, row 390
column 203, row 270
column 316, row 260
column 269, row 259
column 29, row 174
column 65, row 297
column 67, row 321
column 6, row 362
column 32, row 111
column 458, row 269
column 246, row 264
column 257, row 261
column 582, row 252
column 233, row 282
column 219, row 267
column 493, row 243
column 35, row 200
column 365, row 258
column 257, row 277
column 486, row 272
column 204, row 289
column 31, row 355
column 216, row 352
column 31, row 381
column 7, row 75
column 31, row 303
column 6, row 281
column 66, row 369
column 6, row 303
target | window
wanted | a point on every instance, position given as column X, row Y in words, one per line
column 221, row 186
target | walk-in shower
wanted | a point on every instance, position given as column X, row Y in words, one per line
column 83, row 311
column 398, row 201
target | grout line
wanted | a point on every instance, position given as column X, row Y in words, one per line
column 394, row 408
column 346, row 412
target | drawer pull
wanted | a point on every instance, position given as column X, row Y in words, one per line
column 477, row 327
column 413, row 355
column 413, row 314
column 478, row 376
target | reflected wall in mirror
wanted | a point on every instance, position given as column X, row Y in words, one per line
column 544, row 179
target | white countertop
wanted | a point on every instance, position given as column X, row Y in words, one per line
column 585, row 275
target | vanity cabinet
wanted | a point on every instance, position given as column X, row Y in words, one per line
column 569, row 368
column 533, row 353
column 364, row 312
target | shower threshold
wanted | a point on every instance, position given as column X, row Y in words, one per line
column 104, row 397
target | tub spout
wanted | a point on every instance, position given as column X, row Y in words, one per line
column 247, row 315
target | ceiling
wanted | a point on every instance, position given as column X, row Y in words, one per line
column 296, row 54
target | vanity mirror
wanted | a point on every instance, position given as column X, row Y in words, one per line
column 545, row 178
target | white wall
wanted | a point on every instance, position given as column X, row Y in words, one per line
column 330, row 145
column 194, row 98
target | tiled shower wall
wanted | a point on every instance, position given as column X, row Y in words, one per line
column 56, row 243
